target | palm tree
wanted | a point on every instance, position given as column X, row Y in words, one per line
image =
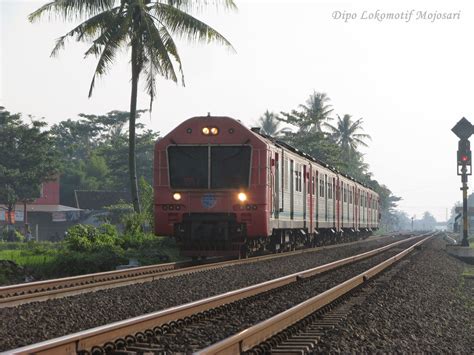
column 310, row 116
column 346, row 134
column 147, row 28
column 270, row 124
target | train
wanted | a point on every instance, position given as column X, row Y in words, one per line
column 222, row 189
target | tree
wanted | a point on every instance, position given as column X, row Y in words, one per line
column 346, row 134
column 28, row 158
column 92, row 150
column 428, row 222
column 388, row 202
column 146, row 27
column 310, row 116
column 270, row 125
column 308, row 120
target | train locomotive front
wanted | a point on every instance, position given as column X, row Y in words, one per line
column 210, row 186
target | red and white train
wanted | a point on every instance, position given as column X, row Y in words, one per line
column 222, row 189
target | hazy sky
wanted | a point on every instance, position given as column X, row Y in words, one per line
column 409, row 78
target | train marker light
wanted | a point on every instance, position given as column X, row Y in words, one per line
column 205, row 131
column 177, row 196
column 214, row 131
column 242, row 197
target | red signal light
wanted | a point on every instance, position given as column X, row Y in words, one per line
column 464, row 158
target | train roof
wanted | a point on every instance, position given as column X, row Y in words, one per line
column 305, row 155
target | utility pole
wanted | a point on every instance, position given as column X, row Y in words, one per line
column 464, row 129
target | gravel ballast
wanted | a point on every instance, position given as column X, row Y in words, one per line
column 427, row 306
column 38, row 321
column 245, row 313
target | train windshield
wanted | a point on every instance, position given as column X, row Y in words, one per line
column 230, row 167
column 188, row 166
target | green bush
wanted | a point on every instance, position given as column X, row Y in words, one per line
column 136, row 240
column 86, row 238
column 79, row 263
column 11, row 235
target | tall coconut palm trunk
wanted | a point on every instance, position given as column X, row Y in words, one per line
column 132, row 163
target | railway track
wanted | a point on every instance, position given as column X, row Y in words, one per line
column 15, row 295
column 297, row 329
column 156, row 331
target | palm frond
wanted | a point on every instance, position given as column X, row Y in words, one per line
column 150, row 73
column 358, row 142
column 184, row 25
column 72, row 9
column 329, row 126
column 172, row 49
column 158, row 50
column 116, row 35
column 192, row 5
column 86, row 30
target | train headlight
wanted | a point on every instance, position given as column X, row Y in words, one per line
column 177, row 196
column 214, row 131
column 242, row 197
column 205, row 131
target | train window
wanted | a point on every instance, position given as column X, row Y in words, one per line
column 230, row 167
column 300, row 179
column 313, row 184
column 344, row 194
column 321, row 187
column 188, row 167
column 295, row 173
column 285, row 174
column 350, row 196
column 329, row 190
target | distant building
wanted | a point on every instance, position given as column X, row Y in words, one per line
column 94, row 203
column 99, row 199
column 46, row 217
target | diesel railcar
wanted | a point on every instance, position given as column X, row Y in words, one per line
column 223, row 189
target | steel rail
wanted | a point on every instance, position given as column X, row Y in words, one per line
column 257, row 334
column 15, row 295
column 87, row 339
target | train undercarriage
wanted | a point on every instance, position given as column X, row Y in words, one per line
column 202, row 235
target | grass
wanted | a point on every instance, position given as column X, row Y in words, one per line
column 46, row 260
column 463, row 292
column 468, row 271
column 24, row 257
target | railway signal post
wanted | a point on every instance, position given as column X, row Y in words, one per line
column 464, row 129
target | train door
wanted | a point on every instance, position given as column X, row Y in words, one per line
column 326, row 196
column 348, row 198
column 292, row 188
column 284, row 180
column 316, row 199
column 342, row 205
column 304, row 195
column 276, row 190
column 310, row 197
column 356, row 205
column 337, row 194
column 333, row 196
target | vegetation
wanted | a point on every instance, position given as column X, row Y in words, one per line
column 93, row 150
column 86, row 249
column 146, row 28
column 28, row 158
column 270, row 125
